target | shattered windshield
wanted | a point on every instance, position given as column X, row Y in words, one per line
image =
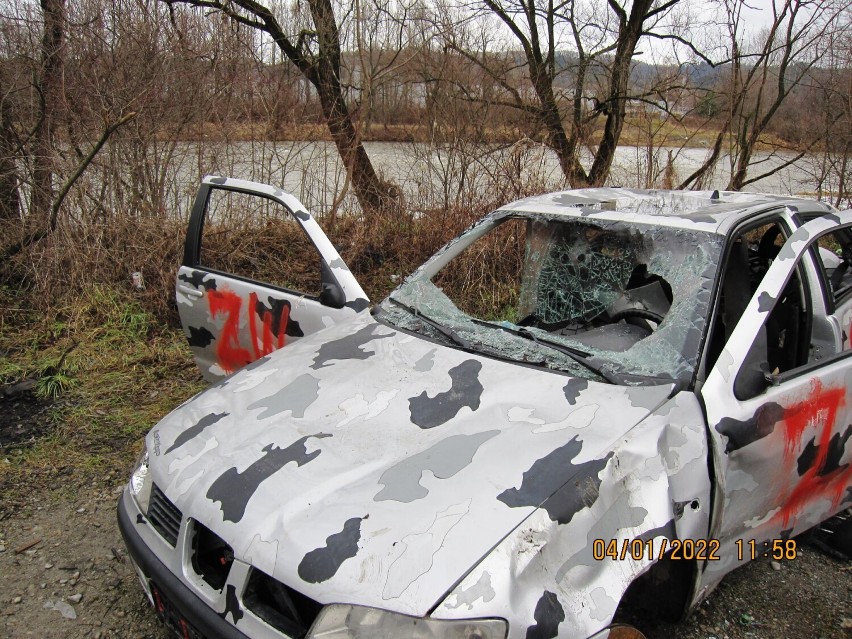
column 615, row 301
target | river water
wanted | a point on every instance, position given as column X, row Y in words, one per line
column 430, row 177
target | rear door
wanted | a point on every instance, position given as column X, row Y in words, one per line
column 779, row 407
column 258, row 273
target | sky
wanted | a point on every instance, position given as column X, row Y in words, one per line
column 708, row 34
column 760, row 15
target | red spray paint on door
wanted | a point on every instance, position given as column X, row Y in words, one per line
column 270, row 341
column 231, row 355
column 819, row 411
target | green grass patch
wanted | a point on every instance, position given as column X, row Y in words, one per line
column 110, row 371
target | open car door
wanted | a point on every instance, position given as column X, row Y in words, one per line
column 258, row 273
column 779, row 403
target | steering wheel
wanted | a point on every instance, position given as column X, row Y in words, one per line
column 534, row 321
column 638, row 313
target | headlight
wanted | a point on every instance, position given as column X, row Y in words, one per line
column 339, row 621
column 140, row 481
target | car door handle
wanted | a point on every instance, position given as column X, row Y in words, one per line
column 190, row 292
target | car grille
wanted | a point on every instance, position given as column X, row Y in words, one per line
column 164, row 516
column 211, row 556
column 283, row 608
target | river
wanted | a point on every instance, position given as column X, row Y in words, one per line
column 430, row 177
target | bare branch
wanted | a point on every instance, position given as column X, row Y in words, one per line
column 686, row 43
column 83, row 165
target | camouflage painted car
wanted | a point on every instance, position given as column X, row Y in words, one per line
column 590, row 400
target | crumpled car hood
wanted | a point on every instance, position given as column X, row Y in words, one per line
column 370, row 466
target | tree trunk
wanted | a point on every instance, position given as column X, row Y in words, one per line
column 322, row 69
column 542, row 74
column 564, row 147
column 49, row 86
column 629, row 33
column 325, row 76
column 841, row 185
column 10, row 197
column 699, row 175
column 739, row 175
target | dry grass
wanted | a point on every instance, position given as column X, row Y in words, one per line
column 57, row 272
column 126, row 360
column 67, row 269
column 484, row 280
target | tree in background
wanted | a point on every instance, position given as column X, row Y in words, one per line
column 831, row 95
column 48, row 84
column 10, row 194
column 315, row 51
column 574, row 69
column 44, row 153
column 471, row 80
column 763, row 70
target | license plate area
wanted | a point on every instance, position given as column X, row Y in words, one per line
column 171, row 617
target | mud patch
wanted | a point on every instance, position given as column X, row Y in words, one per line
column 24, row 418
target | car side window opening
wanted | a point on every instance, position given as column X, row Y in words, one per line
column 788, row 328
column 783, row 342
column 257, row 239
column 750, row 254
column 834, row 255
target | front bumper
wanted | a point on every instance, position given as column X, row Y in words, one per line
column 188, row 604
column 199, row 613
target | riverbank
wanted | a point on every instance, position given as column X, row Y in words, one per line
column 643, row 131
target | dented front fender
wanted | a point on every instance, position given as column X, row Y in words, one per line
column 654, row 488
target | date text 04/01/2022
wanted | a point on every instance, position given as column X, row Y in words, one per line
column 691, row 549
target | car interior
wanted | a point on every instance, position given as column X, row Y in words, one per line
column 783, row 343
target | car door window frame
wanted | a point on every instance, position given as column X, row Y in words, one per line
column 759, row 359
column 331, row 290
column 735, row 367
column 832, row 301
column 788, row 225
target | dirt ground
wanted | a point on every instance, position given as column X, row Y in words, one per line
column 66, row 573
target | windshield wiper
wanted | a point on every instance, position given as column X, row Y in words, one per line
column 581, row 357
column 447, row 332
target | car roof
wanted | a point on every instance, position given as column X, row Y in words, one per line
column 712, row 211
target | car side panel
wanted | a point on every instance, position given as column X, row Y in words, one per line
column 654, row 488
column 781, row 458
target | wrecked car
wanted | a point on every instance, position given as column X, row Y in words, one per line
column 590, row 400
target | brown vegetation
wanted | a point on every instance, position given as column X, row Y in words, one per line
column 111, row 110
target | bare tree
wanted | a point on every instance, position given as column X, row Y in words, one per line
column 828, row 105
column 10, row 195
column 49, row 88
column 763, row 71
column 316, row 53
column 42, row 151
column 592, row 48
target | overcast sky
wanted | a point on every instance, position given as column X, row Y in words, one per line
column 761, row 15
